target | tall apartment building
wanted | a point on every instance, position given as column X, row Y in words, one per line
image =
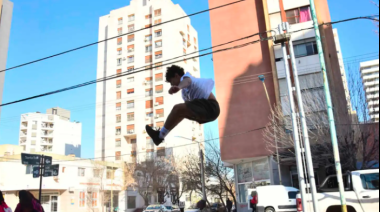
column 242, row 98
column 52, row 132
column 370, row 75
column 141, row 98
column 343, row 70
column 6, row 10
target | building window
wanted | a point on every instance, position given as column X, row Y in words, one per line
column 118, row 118
column 97, row 173
column 299, row 15
column 110, row 174
column 118, row 143
column 158, row 66
column 305, row 49
column 118, row 71
column 160, row 100
column 118, row 106
column 148, row 59
column 150, row 114
column 118, row 95
column 82, row 199
column 119, row 51
column 148, row 25
column 131, row 18
column 94, row 202
column 157, row 12
column 160, row 113
column 119, row 61
column 159, row 77
column 158, row 21
column 148, row 16
column 159, row 89
column 131, row 59
column 118, row 155
column 148, row 48
column 131, row 129
column 119, row 41
column 158, row 33
column 370, row 181
column 131, row 68
column 131, row 202
column 148, row 38
column 81, row 172
column 149, row 104
column 130, row 104
column 33, row 142
column 120, row 31
column 131, row 48
column 160, row 124
column 120, row 20
column 148, row 92
column 161, row 152
column 158, row 55
column 130, row 116
column 149, row 143
column 118, row 131
column 130, row 79
column 158, row 44
column 131, row 38
column 118, row 84
column 131, row 28
column 131, row 91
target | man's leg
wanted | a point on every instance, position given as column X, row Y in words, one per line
column 175, row 117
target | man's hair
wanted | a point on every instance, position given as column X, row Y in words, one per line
column 1, row 198
column 172, row 70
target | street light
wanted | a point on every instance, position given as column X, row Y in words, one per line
column 262, row 79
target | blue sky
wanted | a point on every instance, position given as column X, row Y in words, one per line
column 44, row 27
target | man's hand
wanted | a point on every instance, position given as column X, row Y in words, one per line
column 174, row 89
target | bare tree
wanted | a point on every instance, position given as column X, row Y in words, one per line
column 97, row 183
column 376, row 22
column 354, row 139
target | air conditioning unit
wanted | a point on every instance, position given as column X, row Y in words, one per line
column 157, row 104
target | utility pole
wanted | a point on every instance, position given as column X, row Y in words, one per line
column 262, row 78
column 203, row 175
column 305, row 130
column 330, row 112
column 296, row 136
column 42, row 170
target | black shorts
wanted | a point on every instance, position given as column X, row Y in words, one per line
column 203, row 110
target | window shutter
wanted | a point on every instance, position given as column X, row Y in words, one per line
column 132, row 90
column 149, row 104
column 159, row 111
column 160, row 100
column 159, row 52
column 131, row 127
column 148, row 79
column 118, row 82
column 118, row 95
column 159, row 87
column 160, row 124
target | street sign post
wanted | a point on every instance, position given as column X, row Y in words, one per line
column 42, row 167
column 30, row 159
column 51, row 171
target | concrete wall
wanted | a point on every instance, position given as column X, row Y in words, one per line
column 5, row 29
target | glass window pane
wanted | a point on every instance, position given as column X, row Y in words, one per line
column 245, row 173
column 293, row 195
column 310, row 48
column 300, row 50
column 370, row 181
column 243, row 193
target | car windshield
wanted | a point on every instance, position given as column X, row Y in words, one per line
column 169, row 207
column 154, row 207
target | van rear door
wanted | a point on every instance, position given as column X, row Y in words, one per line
column 290, row 203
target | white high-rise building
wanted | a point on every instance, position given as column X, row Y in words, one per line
column 342, row 70
column 6, row 10
column 52, row 132
column 370, row 75
column 129, row 103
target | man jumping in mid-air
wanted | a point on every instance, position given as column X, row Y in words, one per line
column 200, row 103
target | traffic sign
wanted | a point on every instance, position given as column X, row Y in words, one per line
column 36, row 172
column 51, row 171
column 30, row 159
column 48, row 160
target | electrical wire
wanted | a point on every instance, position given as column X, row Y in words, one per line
column 95, row 43
column 194, row 143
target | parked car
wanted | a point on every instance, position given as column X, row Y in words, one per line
column 192, row 208
column 277, row 199
column 173, row 208
column 156, row 208
column 362, row 193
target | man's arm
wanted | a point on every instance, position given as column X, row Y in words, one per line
column 186, row 82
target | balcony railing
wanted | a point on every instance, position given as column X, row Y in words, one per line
column 159, row 91
column 131, row 40
column 159, row 79
column 159, row 56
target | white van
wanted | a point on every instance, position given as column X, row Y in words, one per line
column 277, row 199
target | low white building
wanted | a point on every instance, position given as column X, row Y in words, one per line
column 370, row 75
column 82, row 185
column 51, row 132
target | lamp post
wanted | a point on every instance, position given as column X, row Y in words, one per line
column 262, row 79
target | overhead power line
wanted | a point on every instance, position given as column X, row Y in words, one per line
column 217, row 51
column 95, row 43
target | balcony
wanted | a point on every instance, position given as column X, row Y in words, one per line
column 47, row 134
column 159, row 115
column 131, row 50
column 46, row 149
column 159, row 56
column 148, row 94
column 159, row 79
column 23, row 133
column 46, row 125
column 45, row 141
column 131, row 132
column 22, row 141
column 24, row 125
